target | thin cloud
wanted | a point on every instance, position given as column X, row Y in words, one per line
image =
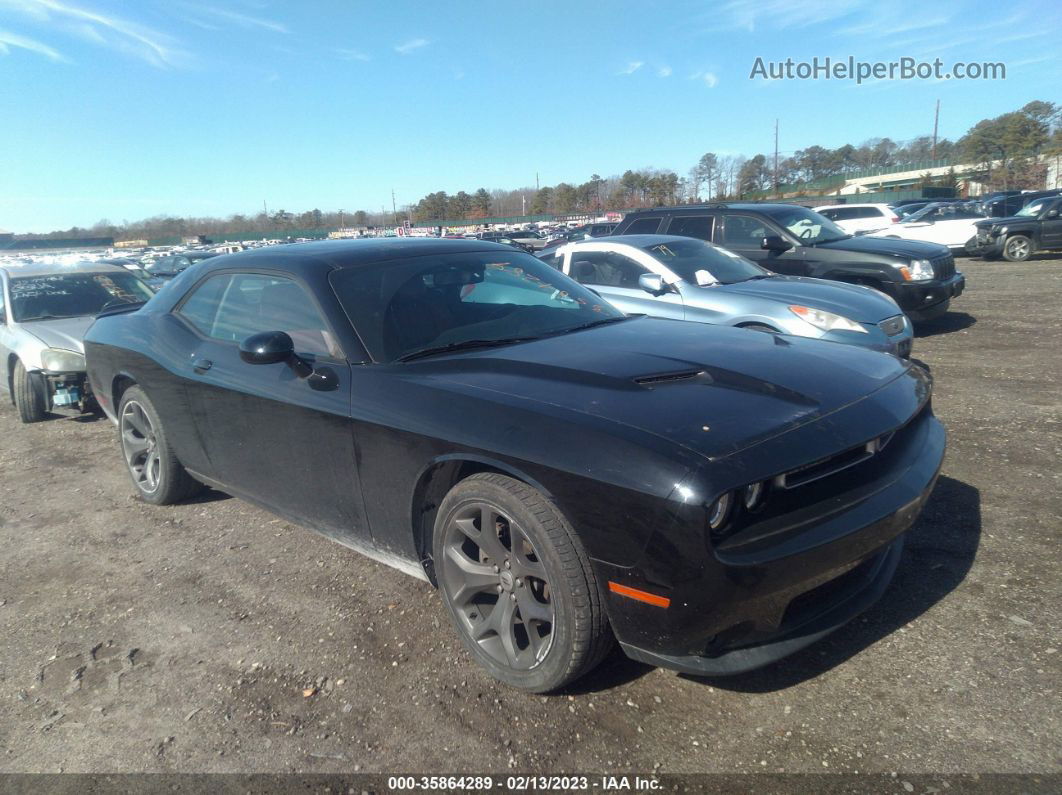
column 352, row 55
column 708, row 78
column 631, row 68
column 663, row 71
column 409, row 46
column 751, row 15
column 107, row 30
column 245, row 20
column 9, row 40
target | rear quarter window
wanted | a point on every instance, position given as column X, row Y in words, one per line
column 643, row 226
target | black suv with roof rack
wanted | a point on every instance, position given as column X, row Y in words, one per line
column 796, row 241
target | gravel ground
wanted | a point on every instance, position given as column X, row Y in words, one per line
column 214, row 637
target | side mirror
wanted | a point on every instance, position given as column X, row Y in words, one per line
column 1052, row 214
column 269, row 347
column 775, row 243
column 652, row 283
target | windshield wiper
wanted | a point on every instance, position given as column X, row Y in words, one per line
column 599, row 322
column 760, row 276
column 459, row 346
column 49, row 317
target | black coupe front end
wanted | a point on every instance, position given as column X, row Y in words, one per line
column 793, row 553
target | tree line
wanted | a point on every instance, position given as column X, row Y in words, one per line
column 1003, row 151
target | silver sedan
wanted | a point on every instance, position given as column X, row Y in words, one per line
column 689, row 279
column 45, row 311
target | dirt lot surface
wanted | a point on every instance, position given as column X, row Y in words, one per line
column 215, row 637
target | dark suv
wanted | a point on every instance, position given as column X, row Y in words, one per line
column 796, row 241
column 1035, row 227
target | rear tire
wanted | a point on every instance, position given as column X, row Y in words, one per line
column 1018, row 248
column 519, row 587
column 157, row 475
column 31, row 404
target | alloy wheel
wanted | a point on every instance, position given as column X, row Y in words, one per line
column 140, row 446
column 1018, row 247
column 498, row 586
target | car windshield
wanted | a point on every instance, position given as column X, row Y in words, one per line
column 925, row 212
column 807, row 226
column 701, row 263
column 72, row 294
column 438, row 303
column 1033, row 208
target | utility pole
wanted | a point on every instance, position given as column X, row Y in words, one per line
column 536, row 181
column 394, row 209
column 265, row 210
column 776, row 157
column 936, row 120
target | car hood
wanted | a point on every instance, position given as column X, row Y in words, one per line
column 887, row 247
column 852, row 301
column 712, row 389
column 985, row 223
column 67, row 333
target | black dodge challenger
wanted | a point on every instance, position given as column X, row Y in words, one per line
column 712, row 498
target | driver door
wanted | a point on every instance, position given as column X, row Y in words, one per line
column 614, row 277
column 743, row 234
column 270, row 435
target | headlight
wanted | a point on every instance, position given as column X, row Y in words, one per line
column 1001, row 231
column 719, row 511
column 59, row 361
column 827, row 321
column 754, row 494
column 921, row 270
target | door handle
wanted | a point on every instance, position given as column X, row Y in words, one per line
column 202, row 365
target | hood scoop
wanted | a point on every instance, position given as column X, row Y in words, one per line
column 668, row 378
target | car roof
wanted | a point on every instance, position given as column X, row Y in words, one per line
column 326, row 255
column 16, row 270
column 637, row 241
column 851, row 204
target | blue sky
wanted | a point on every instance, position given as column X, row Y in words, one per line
column 123, row 110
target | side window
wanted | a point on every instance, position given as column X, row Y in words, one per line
column 868, row 212
column 201, row 307
column 606, row 269
column 554, row 260
column 643, row 226
column 232, row 307
column 699, row 226
column 3, row 314
column 743, row 230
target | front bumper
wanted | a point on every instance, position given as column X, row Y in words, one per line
column 64, row 391
column 787, row 580
column 990, row 247
column 863, row 586
column 876, row 339
column 925, row 301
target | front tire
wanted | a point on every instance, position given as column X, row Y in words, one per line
column 158, row 476
column 1018, row 248
column 518, row 585
column 31, row 404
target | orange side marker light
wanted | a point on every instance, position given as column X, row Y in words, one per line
column 640, row 596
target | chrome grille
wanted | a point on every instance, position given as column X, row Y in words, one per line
column 893, row 325
column 943, row 266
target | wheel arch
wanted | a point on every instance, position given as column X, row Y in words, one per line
column 12, row 360
column 435, row 482
column 119, row 385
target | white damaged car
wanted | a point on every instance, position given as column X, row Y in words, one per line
column 45, row 311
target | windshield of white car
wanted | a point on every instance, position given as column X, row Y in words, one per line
column 807, row 226
column 1033, row 208
column 443, row 303
column 72, row 294
column 689, row 257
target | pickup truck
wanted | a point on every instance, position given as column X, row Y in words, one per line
column 795, row 241
column 1035, row 227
